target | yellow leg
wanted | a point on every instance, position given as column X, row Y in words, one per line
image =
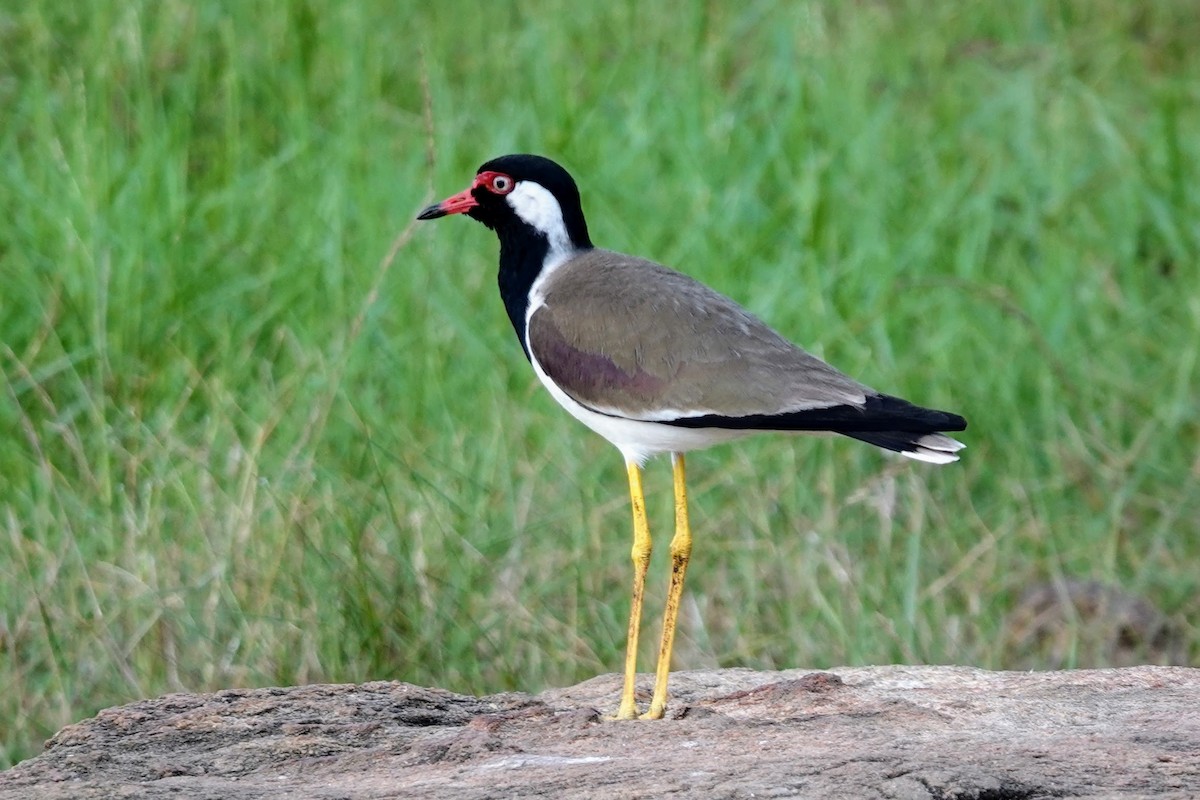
column 641, row 560
column 681, row 551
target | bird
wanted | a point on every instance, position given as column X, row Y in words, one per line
column 657, row 362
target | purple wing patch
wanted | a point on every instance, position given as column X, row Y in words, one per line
column 593, row 379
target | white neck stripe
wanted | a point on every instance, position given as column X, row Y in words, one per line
column 538, row 208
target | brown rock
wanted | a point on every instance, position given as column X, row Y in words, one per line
column 878, row 732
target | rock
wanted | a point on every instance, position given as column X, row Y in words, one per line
column 911, row 733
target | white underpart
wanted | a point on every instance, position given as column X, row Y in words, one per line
column 637, row 439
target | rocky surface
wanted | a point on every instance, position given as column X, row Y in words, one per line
column 911, row 733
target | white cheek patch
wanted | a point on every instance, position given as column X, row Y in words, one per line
column 537, row 207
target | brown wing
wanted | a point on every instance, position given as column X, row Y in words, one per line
column 628, row 336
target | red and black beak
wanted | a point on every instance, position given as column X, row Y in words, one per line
column 460, row 203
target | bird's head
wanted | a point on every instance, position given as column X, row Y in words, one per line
column 518, row 194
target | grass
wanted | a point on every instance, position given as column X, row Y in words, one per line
column 244, row 445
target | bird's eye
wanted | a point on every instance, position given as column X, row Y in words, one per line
column 502, row 184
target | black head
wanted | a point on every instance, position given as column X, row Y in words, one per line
column 522, row 191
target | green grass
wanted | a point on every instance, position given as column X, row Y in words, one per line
column 241, row 445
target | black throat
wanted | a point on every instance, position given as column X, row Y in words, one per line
column 523, row 252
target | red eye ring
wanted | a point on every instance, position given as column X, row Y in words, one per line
column 497, row 182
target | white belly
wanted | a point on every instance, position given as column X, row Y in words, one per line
column 637, row 440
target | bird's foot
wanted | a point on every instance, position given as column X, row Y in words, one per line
column 626, row 711
column 654, row 712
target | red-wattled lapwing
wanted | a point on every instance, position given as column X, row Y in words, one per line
column 657, row 362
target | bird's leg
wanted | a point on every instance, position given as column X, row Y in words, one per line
column 681, row 551
column 641, row 560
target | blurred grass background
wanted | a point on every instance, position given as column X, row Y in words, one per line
column 225, row 461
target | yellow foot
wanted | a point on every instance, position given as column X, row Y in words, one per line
column 655, row 712
column 626, row 711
